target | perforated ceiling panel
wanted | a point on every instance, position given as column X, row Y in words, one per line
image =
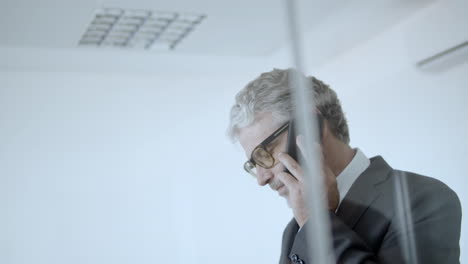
column 139, row 29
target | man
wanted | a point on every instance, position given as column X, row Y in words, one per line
column 377, row 214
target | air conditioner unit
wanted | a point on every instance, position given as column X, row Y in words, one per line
column 438, row 40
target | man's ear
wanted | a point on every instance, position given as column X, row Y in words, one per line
column 325, row 129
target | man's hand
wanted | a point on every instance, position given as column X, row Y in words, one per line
column 295, row 184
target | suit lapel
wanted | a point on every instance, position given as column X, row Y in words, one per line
column 288, row 240
column 363, row 192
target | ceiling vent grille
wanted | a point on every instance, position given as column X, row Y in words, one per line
column 139, row 29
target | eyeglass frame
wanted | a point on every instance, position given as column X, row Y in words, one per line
column 251, row 163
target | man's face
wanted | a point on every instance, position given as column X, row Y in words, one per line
column 250, row 136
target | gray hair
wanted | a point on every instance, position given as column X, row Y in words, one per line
column 270, row 92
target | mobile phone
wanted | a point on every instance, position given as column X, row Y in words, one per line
column 291, row 144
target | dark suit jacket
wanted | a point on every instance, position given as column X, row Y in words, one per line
column 367, row 227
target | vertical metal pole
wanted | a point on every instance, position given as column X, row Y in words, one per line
column 318, row 226
column 404, row 219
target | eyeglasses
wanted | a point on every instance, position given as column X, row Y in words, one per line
column 261, row 156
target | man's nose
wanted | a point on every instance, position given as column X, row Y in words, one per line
column 263, row 176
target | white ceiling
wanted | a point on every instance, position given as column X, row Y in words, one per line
column 242, row 27
column 44, row 34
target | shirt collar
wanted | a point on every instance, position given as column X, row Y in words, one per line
column 351, row 172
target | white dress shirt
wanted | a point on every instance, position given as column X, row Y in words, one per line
column 348, row 176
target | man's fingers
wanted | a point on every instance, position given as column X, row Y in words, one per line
column 292, row 166
column 287, row 179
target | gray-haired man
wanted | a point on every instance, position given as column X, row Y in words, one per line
column 362, row 192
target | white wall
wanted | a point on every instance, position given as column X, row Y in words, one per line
column 106, row 168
